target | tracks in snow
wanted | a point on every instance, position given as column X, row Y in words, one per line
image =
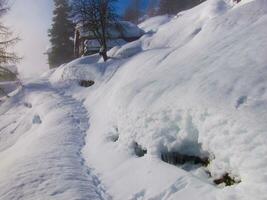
column 46, row 161
column 80, row 117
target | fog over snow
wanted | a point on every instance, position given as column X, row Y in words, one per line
column 31, row 19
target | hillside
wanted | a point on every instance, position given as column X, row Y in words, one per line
column 178, row 114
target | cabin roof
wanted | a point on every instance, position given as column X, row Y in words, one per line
column 121, row 29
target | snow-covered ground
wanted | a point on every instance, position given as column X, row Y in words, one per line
column 194, row 84
column 42, row 135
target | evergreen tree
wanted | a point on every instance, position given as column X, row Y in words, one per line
column 61, row 35
column 133, row 12
column 174, row 6
column 152, row 9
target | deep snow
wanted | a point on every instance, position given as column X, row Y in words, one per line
column 42, row 134
column 194, row 84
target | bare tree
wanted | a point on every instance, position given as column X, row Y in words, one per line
column 96, row 15
column 6, row 41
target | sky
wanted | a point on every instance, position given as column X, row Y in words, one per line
column 30, row 20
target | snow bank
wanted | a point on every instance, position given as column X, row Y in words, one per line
column 127, row 50
column 85, row 68
column 197, row 87
column 153, row 23
column 42, row 134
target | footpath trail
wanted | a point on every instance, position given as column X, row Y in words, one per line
column 42, row 133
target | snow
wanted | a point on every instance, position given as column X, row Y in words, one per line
column 122, row 29
column 153, row 23
column 127, row 50
column 95, row 46
column 43, row 159
column 195, row 84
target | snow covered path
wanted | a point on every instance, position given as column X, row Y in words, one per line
column 42, row 133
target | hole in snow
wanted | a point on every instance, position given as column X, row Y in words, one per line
column 139, row 150
column 114, row 138
column 36, row 119
column 196, row 31
column 28, row 105
column 176, row 158
column 241, row 100
column 227, row 180
column 114, row 135
column 86, row 83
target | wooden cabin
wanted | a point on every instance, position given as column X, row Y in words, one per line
column 85, row 43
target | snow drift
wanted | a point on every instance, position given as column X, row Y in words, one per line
column 196, row 86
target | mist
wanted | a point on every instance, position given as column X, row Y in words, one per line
column 30, row 20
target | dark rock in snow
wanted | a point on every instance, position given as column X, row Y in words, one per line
column 227, row 180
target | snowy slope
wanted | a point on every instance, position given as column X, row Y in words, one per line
column 42, row 134
column 194, row 84
column 153, row 23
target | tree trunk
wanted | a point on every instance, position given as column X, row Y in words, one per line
column 104, row 54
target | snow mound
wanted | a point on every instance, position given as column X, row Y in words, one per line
column 196, row 87
column 85, row 68
column 127, row 50
column 152, row 24
column 40, row 153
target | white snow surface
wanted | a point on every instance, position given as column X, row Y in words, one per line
column 153, row 23
column 42, row 134
column 196, row 86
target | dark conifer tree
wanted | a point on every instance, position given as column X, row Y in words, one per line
column 152, row 9
column 61, row 35
column 133, row 12
column 172, row 7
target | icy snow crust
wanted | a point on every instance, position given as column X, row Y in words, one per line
column 195, row 85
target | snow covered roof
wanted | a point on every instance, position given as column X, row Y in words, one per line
column 121, row 29
column 94, row 44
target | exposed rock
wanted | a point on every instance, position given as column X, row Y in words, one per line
column 227, row 180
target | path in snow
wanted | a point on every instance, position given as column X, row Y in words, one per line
column 41, row 147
